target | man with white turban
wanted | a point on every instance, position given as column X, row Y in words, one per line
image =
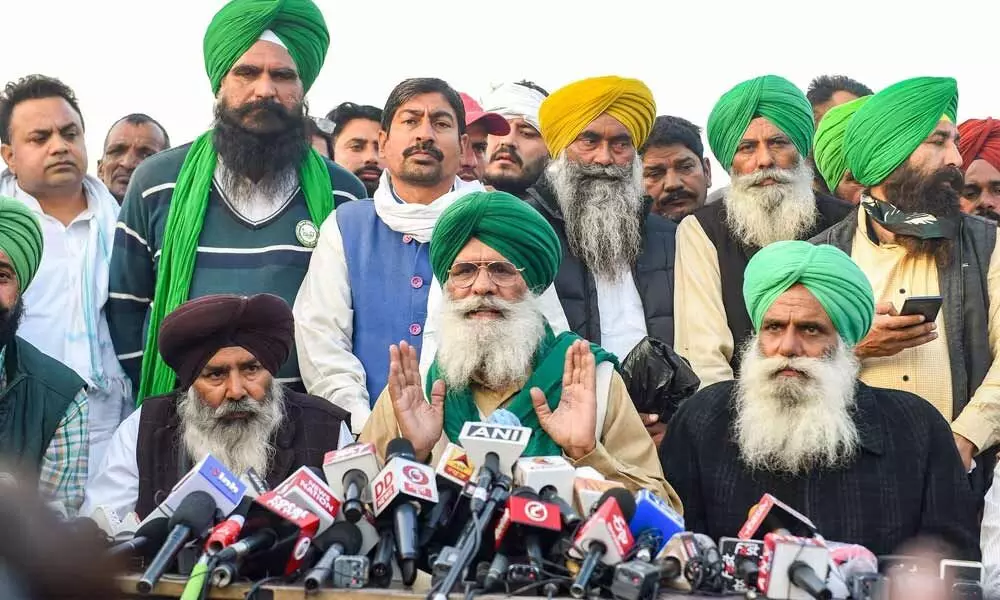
column 516, row 160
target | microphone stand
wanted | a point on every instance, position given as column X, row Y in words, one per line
column 469, row 541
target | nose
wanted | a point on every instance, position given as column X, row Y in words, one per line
column 483, row 284
column 672, row 181
column 131, row 160
column 264, row 88
column 789, row 345
column 235, row 390
column 371, row 154
column 990, row 200
column 469, row 158
column 763, row 157
column 602, row 156
column 953, row 157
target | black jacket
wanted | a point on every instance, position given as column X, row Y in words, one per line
column 653, row 273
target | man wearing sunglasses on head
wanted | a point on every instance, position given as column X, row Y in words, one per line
column 494, row 256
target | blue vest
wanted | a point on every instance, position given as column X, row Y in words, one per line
column 390, row 277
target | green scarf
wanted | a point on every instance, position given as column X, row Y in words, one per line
column 180, row 244
column 547, row 375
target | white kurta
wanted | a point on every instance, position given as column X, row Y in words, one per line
column 116, row 485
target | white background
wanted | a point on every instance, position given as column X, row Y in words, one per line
column 124, row 56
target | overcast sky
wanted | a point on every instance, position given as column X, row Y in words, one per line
column 124, row 56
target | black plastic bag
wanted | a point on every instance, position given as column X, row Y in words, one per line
column 657, row 378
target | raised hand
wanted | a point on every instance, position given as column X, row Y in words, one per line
column 571, row 425
column 419, row 421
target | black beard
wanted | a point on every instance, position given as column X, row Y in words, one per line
column 10, row 318
column 277, row 144
column 913, row 191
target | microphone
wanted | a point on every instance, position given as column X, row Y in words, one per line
column 452, row 475
column 493, row 448
column 209, row 475
column 654, row 523
column 853, row 566
column 552, row 477
column 404, row 487
column 527, row 524
column 306, row 488
column 604, row 538
column 341, row 538
column 193, row 516
column 382, row 560
column 741, row 560
column 793, row 568
column 228, row 531
column 589, row 490
column 639, row 580
column 255, row 484
column 275, row 537
column 148, row 537
column 348, row 471
column 771, row 515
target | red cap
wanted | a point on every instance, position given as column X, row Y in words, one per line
column 495, row 124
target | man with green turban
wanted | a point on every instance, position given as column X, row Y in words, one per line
column 44, row 429
column 760, row 131
column 798, row 420
column 239, row 209
column 493, row 254
column 828, row 151
column 911, row 239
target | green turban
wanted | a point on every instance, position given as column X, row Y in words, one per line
column 505, row 223
column 20, row 239
column 828, row 145
column 827, row 272
column 889, row 127
column 299, row 25
column 772, row 97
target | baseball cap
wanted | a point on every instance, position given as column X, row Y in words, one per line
column 495, row 124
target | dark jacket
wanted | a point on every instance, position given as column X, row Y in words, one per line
column 34, row 400
column 310, row 429
column 906, row 479
column 653, row 272
column 734, row 257
column 966, row 301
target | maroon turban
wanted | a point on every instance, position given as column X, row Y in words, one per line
column 979, row 138
column 192, row 334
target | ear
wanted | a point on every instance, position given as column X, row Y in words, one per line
column 463, row 144
column 707, row 164
column 100, row 165
column 382, row 137
column 7, row 152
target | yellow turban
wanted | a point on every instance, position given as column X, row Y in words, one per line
column 568, row 110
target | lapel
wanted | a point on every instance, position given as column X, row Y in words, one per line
column 284, row 454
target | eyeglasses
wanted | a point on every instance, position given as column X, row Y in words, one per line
column 325, row 125
column 500, row 272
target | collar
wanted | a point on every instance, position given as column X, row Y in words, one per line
column 32, row 203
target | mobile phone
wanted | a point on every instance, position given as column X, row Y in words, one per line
column 928, row 306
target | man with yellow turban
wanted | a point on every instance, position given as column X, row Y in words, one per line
column 828, row 151
column 44, row 429
column 494, row 255
column 760, row 131
column 910, row 238
column 797, row 422
column 239, row 209
column 979, row 143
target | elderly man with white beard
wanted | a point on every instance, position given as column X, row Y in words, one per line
column 760, row 131
column 225, row 350
column 616, row 282
column 867, row 465
column 493, row 254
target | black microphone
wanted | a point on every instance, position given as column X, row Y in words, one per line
column 194, row 515
column 149, row 536
column 353, row 508
column 341, row 538
column 570, row 517
column 382, row 560
column 805, row 577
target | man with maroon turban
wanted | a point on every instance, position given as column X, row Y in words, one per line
column 979, row 145
column 225, row 350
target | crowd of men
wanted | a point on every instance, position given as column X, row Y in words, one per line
column 283, row 285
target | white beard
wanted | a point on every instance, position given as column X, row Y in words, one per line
column 761, row 215
column 602, row 209
column 238, row 444
column 792, row 425
column 496, row 353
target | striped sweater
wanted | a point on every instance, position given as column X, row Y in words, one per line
column 235, row 256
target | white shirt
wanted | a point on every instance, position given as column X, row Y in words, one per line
column 989, row 539
column 623, row 321
column 116, row 486
column 48, row 314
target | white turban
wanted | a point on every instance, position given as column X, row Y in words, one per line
column 513, row 101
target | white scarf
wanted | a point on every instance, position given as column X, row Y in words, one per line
column 83, row 343
column 513, row 100
column 416, row 220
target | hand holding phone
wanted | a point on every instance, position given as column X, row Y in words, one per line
column 927, row 306
column 892, row 332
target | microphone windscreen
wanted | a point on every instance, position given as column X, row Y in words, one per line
column 196, row 511
column 154, row 530
column 525, row 492
column 399, row 447
column 344, row 533
column 626, row 502
column 502, row 416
